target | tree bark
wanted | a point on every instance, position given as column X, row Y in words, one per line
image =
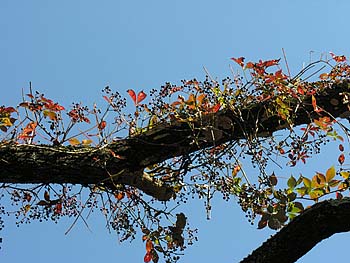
column 24, row 164
column 293, row 241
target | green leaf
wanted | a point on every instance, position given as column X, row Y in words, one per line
column 302, row 190
column 291, row 182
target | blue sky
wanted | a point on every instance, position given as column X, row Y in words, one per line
column 70, row 50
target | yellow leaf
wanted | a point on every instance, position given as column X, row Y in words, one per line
column 86, row 142
column 5, row 121
column 330, row 174
column 74, row 141
column 307, row 182
column 344, row 174
column 26, row 208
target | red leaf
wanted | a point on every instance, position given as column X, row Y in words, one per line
column 147, row 258
column 337, row 58
column 341, row 158
column 132, row 95
column 239, row 61
column 249, row 65
column 341, row 147
column 102, row 125
column 141, row 96
column 338, row 195
column 215, row 108
column 270, row 63
column 58, row 208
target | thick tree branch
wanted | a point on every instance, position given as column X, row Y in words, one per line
column 293, row 241
column 51, row 164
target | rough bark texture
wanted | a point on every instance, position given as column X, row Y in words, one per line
column 51, row 164
column 319, row 222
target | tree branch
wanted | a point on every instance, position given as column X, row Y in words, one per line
column 293, row 241
column 86, row 165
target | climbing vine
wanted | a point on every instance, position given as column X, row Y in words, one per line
column 211, row 135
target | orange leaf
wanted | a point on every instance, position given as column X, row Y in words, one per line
column 119, row 196
column 86, row 142
column 132, row 95
column 324, row 76
column 316, row 108
column 149, row 245
column 74, row 141
column 141, row 96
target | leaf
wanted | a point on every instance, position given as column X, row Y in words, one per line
column 132, row 94
column 344, row 174
column 273, row 179
column 155, row 257
column 102, row 125
column 274, row 223
column 141, row 96
column 58, row 208
column 74, row 141
column 341, row 158
column 292, row 182
column 149, row 245
column 341, row 147
column 180, row 221
column 318, row 181
column 26, row 208
column 107, row 99
column 215, row 108
column 338, row 58
column 338, row 195
column 324, row 76
column 47, row 196
column 330, row 174
column 86, row 142
column 299, row 206
column 147, row 258
column 307, row 182
column 42, row 203
column 262, row 223
column 119, row 196
column 239, row 61
column 314, row 105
